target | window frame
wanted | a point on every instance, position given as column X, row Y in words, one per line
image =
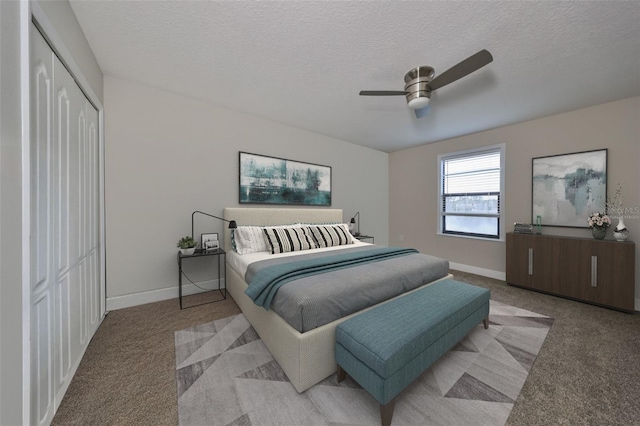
column 501, row 195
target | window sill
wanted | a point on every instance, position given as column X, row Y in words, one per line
column 472, row 237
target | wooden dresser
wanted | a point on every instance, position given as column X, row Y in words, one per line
column 600, row 272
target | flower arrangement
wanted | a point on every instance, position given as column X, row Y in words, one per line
column 599, row 221
column 615, row 204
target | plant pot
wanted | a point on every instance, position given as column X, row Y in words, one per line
column 188, row 251
column 599, row 233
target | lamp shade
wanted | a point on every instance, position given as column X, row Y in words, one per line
column 352, row 225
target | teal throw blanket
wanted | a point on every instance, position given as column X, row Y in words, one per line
column 268, row 280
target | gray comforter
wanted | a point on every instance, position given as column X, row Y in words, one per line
column 312, row 301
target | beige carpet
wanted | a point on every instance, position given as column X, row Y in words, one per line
column 586, row 372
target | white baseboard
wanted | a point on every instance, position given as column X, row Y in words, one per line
column 478, row 271
column 135, row 299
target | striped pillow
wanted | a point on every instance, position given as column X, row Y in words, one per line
column 289, row 238
column 331, row 235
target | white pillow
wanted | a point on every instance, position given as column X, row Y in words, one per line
column 249, row 239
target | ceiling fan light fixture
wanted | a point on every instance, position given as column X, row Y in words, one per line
column 420, row 81
column 419, row 103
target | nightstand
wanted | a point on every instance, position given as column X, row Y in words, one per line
column 219, row 254
column 366, row 237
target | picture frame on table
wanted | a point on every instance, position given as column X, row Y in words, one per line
column 209, row 241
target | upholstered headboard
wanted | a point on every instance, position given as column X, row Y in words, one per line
column 277, row 216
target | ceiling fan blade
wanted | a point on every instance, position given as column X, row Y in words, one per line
column 456, row 72
column 382, row 93
column 422, row 112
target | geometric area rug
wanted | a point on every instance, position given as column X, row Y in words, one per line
column 226, row 376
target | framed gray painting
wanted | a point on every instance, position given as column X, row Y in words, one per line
column 272, row 180
column 567, row 188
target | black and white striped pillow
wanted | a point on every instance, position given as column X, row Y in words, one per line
column 331, row 235
column 286, row 239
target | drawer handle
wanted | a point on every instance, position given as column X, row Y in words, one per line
column 530, row 261
column 594, row 271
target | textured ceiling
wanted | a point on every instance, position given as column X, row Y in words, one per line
column 303, row 63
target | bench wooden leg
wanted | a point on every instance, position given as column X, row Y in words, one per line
column 386, row 412
column 341, row 374
column 486, row 322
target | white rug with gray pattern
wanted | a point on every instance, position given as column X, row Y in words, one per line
column 226, row 376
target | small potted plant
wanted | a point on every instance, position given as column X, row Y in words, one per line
column 187, row 245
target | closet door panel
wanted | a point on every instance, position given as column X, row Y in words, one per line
column 42, row 360
column 60, row 208
column 42, row 296
column 81, row 188
column 68, row 106
column 60, row 154
column 93, row 219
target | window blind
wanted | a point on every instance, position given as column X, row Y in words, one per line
column 475, row 174
column 470, row 193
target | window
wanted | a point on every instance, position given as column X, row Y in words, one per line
column 471, row 185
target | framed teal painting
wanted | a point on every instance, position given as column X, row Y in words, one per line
column 272, row 180
column 568, row 188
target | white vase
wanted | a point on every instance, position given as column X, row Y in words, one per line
column 620, row 232
column 188, row 251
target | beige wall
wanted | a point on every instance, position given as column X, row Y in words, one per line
column 413, row 179
column 168, row 155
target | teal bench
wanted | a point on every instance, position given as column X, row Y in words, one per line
column 386, row 348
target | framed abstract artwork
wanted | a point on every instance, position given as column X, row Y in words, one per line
column 567, row 188
column 271, row 180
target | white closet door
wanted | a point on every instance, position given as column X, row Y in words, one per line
column 69, row 126
column 42, row 289
column 65, row 292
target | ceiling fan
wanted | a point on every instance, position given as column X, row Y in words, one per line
column 420, row 81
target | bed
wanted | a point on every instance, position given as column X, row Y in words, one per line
column 306, row 357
